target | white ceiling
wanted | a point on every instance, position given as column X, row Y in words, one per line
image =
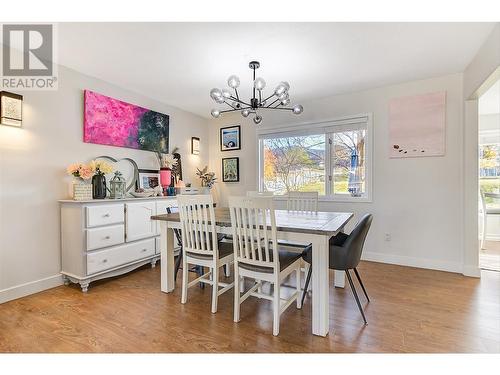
column 178, row 63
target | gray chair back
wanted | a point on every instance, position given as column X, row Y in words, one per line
column 348, row 255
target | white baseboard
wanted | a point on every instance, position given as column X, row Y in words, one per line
column 472, row 271
column 32, row 287
column 403, row 260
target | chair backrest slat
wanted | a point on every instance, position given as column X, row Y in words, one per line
column 302, row 201
column 197, row 219
column 254, row 231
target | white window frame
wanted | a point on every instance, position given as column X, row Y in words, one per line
column 328, row 128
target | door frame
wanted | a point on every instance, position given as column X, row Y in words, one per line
column 471, row 177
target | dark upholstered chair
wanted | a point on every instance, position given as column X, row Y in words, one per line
column 345, row 254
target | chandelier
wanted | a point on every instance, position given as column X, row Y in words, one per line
column 278, row 100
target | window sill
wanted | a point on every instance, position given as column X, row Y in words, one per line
column 324, row 198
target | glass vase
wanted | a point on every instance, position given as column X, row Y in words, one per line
column 99, row 186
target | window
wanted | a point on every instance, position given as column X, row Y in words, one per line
column 332, row 158
column 294, row 163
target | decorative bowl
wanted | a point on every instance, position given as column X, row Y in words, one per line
column 144, row 194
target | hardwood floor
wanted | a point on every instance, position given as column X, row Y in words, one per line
column 411, row 310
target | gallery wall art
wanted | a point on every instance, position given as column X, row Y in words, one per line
column 112, row 122
column 230, row 169
column 230, row 138
column 417, row 125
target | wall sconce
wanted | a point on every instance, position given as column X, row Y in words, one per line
column 195, row 145
column 11, row 109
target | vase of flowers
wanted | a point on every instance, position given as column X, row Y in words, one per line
column 82, row 189
column 167, row 162
column 100, row 168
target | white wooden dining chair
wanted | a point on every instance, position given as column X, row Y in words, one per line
column 302, row 201
column 256, row 194
column 258, row 256
column 200, row 245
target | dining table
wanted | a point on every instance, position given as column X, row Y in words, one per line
column 314, row 228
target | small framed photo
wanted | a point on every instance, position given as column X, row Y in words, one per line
column 231, row 169
column 230, row 138
column 148, row 179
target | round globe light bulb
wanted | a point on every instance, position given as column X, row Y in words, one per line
column 297, row 109
column 259, row 84
column 257, row 119
column 236, row 105
column 226, row 94
column 233, row 81
column 283, row 95
column 215, row 113
column 245, row 112
column 281, row 88
column 215, row 94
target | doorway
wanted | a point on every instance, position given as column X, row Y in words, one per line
column 489, row 178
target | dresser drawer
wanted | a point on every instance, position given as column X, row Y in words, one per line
column 98, row 238
column 104, row 215
column 119, row 255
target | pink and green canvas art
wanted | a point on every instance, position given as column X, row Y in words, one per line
column 111, row 122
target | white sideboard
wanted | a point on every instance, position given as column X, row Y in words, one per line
column 109, row 237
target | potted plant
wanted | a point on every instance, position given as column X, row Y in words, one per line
column 82, row 189
column 100, row 168
column 208, row 179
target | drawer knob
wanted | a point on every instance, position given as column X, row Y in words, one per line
column 104, row 260
column 144, row 250
column 107, row 237
column 105, row 215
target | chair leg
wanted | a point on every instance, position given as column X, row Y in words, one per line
column 237, row 281
column 361, row 283
column 200, row 272
column 297, row 285
column 276, row 308
column 185, row 272
column 355, row 295
column 485, row 225
column 308, row 279
column 227, row 270
column 215, row 288
column 177, row 264
column 242, row 284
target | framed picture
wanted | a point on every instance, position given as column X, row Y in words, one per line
column 108, row 121
column 230, row 138
column 148, row 179
column 231, row 169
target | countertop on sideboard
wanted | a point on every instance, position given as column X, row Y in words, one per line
column 128, row 199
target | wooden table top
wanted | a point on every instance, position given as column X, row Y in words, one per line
column 327, row 223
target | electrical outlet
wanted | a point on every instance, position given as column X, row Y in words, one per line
column 388, row 237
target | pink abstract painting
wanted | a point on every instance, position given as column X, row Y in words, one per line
column 109, row 121
column 417, row 125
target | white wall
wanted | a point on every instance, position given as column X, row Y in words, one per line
column 32, row 173
column 418, row 201
column 482, row 72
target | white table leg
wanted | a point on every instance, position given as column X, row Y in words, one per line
column 339, row 279
column 320, row 286
column 167, row 258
